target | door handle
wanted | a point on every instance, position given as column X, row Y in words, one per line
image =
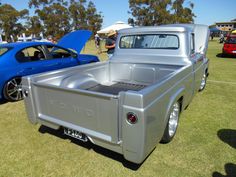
column 198, row 60
column 28, row 68
column 55, row 64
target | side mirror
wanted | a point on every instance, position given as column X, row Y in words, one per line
column 201, row 50
column 74, row 55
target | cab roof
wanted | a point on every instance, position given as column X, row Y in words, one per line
column 163, row 28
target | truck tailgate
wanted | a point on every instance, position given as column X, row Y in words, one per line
column 95, row 115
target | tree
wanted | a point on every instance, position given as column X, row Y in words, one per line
column 59, row 17
column 10, row 20
column 182, row 14
column 34, row 25
column 157, row 12
column 85, row 16
column 94, row 19
column 54, row 16
column 55, row 20
column 78, row 14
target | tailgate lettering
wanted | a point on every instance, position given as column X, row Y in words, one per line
column 74, row 108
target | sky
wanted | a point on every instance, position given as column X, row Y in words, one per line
column 207, row 11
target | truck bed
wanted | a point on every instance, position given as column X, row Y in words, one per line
column 110, row 78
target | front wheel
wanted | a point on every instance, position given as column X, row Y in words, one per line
column 203, row 82
column 13, row 90
column 172, row 124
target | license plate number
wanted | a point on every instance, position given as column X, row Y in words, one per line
column 75, row 134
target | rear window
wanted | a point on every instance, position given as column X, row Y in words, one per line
column 150, row 41
column 3, row 50
column 231, row 40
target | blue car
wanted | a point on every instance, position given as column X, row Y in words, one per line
column 26, row 58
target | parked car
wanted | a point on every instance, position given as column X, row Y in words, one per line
column 229, row 47
column 26, row 58
column 131, row 102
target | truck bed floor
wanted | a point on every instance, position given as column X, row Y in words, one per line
column 116, row 88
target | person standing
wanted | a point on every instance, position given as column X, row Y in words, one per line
column 97, row 42
column 111, row 42
column 212, row 35
column 222, row 38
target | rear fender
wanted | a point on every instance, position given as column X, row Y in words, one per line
column 174, row 98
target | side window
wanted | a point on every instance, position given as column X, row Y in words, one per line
column 4, row 50
column 57, row 52
column 192, row 44
column 30, row 54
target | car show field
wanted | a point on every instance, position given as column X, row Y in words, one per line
column 205, row 145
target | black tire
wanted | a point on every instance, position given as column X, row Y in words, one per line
column 223, row 55
column 172, row 124
column 13, row 90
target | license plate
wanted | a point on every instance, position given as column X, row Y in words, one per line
column 234, row 51
column 75, row 134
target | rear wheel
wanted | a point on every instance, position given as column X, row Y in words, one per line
column 172, row 124
column 13, row 89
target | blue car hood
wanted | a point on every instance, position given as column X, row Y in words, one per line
column 75, row 40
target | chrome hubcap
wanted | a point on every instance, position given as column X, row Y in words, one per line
column 174, row 118
column 14, row 89
column 203, row 82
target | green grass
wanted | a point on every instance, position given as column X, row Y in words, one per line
column 27, row 150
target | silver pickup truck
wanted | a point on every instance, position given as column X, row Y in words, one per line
column 131, row 102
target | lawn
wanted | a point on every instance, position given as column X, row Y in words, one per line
column 205, row 143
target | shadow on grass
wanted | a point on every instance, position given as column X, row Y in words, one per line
column 88, row 145
column 230, row 170
column 3, row 102
column 223, row 56
column 228, row 136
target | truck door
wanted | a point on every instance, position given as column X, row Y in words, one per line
column 197, row 61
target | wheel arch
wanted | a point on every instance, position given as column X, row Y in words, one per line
column 177, row 96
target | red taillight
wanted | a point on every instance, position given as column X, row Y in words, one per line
column 132, row 118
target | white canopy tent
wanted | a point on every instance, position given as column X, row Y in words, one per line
column 117, row 26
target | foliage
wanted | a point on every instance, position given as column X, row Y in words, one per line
column 59, row 17
column 94, row 19
column 10, row 20
column 33, row 25
column 52, row 17
column 85, row 16
column 78, row 14
column 157, row 12
column 182, row 14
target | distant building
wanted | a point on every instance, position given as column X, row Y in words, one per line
column 226, row 26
